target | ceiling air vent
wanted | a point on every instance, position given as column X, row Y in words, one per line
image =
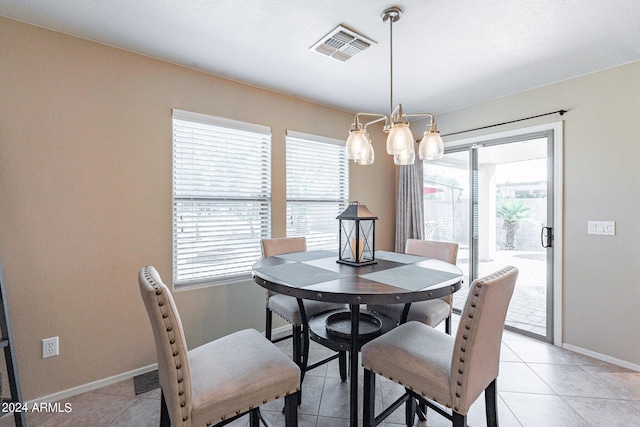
column 342, row 44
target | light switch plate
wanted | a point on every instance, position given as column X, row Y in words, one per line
column 604, row 228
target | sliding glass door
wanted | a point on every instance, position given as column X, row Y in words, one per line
column 495, row 200
column 446, row 204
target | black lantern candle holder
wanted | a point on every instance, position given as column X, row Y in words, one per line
column 357, row 236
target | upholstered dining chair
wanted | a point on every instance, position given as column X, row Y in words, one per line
column 439, row 370
column 287, row 307
column 430, row 312
column 220, row 381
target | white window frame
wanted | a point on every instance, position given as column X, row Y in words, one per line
column 221, row 197
column 309, row 159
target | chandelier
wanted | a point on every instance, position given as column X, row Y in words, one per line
column 400, row 142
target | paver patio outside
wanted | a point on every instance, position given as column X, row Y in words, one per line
column 528, row 307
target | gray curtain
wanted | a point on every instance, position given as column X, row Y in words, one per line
column 409, row 205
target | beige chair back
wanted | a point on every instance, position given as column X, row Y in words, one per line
column 476, row 354
column 279, row 246
column 171, row 347
column 283, row 245
column 443, row 251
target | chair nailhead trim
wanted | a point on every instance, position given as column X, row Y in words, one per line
column 165, row 315
column 468, row 325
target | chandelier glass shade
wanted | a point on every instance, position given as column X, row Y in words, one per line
column 358, row 147
column 400, row 141
column 431, row 145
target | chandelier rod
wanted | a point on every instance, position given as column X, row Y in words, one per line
column 391, row 66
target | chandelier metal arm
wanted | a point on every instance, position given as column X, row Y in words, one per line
column 380, row 117
column 432, row 123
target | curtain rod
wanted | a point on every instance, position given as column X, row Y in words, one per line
column 561, row 112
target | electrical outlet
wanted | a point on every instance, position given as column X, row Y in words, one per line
column 50, row 347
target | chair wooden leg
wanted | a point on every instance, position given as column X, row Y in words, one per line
column 165, row 421
column 410, row 410
column 422, row 411
column 298, row 355
column 291, row 409
column 268, row 323
column 447, row 325
column 459, row 420
column 342, row 361
column 369, row 399
column 254, row 418
column 491, row 404
column 297, row 346
column 305, row 348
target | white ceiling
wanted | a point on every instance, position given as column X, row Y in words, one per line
column 447, row 53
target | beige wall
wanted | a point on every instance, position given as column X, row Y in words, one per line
column 85, row 198
column 601, row 182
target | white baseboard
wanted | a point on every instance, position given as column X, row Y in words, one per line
column 65, row 394
column 603, row 357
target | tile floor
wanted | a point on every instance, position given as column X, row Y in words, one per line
column 539, row 385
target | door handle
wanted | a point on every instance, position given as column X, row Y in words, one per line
column 546, row 233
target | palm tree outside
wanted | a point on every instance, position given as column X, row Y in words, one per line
column 512, row 212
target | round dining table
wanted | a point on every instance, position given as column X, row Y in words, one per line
column 395, row 278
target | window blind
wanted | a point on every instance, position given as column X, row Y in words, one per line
column 221, row 197
column 317, row 188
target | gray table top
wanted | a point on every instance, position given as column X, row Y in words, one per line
column 395, row 278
